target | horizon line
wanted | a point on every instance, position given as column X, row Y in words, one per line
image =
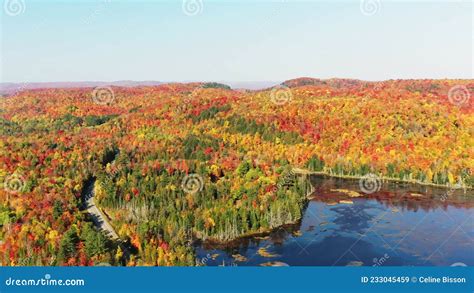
column 230, row 81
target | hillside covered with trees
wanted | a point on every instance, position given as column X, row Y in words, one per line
column 177, row 162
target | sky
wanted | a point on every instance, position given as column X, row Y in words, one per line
column 109, row 40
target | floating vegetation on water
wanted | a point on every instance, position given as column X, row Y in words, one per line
column 297, row 233
column 346, row 201
column 332, row 203
column 239, row 257
column 274, row 264
column 262, row 251
column 262, row 237
column 348, row 192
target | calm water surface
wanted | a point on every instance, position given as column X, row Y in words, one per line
column 399, row 225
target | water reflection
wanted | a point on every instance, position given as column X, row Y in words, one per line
column 401, row 224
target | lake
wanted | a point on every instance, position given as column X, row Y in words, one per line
column 399, row 225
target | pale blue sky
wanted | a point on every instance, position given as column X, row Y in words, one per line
column 235, row 41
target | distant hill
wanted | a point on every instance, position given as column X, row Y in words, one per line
column 9, row 88
column 332, row 82
column 413, row 85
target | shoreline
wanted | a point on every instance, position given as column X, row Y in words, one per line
column 382, row 178
column 263, row 233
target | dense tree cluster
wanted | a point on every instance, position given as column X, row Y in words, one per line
column 239, row 148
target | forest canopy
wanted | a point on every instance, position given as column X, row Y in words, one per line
column 177, row 162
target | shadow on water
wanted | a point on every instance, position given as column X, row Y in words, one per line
column 400, row 225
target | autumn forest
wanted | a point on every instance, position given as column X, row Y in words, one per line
column 170, row 164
